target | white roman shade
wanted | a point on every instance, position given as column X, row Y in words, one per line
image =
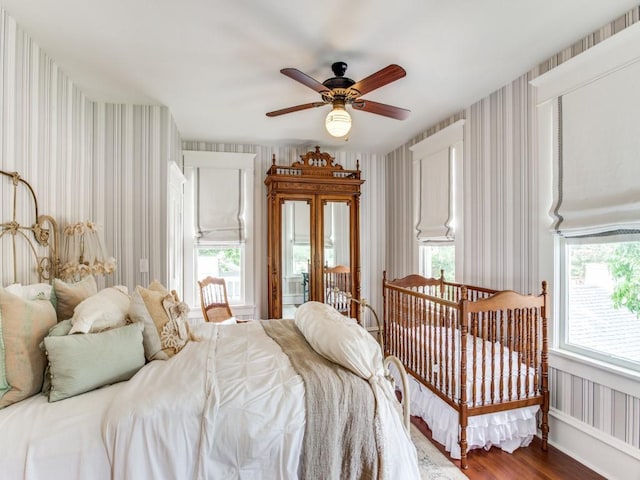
column 220, row 188
column 589, row 131
column 219, row 205
column 598, row 173
column 433, row 167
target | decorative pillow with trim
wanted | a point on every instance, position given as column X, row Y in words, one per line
column 69, row 295
column 23, row 325
column 105, row 310
column 164, row 316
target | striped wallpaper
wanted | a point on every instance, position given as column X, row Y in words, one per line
column 45, row 129
column 500, row 220
column 86, row 160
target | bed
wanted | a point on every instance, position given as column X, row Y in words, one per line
column 130, row 397
column 477, row 361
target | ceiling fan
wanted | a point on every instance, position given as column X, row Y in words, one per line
column 340, row 91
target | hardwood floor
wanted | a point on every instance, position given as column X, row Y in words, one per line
column 523, row 464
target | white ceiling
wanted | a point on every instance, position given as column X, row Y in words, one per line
column 216, row 63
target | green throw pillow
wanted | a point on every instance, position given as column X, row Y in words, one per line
column 61, row 328
column 79, row 363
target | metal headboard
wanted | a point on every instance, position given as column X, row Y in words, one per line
column 38, row 234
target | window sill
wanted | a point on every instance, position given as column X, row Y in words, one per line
column 611, row 376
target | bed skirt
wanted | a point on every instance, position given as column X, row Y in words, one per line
column 507, row 430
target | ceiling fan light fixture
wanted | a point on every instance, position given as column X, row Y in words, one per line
column 338, row 121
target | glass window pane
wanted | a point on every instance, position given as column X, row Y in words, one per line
column 301, row 258
column 434, row 258
column 603, row 300
column 224, row 262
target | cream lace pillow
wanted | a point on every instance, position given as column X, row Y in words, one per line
column 166, row 330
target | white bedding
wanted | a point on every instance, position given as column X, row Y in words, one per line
column 247, row 422
column 229, row 406
column 61, row 440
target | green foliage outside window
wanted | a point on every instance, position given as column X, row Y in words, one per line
column 228, row 258
column 625, row 267
column 443, row 258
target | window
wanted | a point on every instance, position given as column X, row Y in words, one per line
column 437, row 167
column 223, row 262
column 437, row 258
column 218, row 222
column 602, row 299
column 301, row 255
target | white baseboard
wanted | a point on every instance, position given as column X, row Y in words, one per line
column 602, row 453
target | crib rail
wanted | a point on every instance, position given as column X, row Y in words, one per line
column 410, row 316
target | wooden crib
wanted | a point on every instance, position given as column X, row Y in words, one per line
column 479, row 350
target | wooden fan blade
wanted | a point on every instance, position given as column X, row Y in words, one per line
column 297, row 108
column 379, row 79
column 304, row 79
column 381, row 109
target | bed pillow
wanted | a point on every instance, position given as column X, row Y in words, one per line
column 105, row 310
column 80, row 363
column 35, row 291
column 163, row 315
column 60, row 328
column 23, row 325
column 339, row 339
column 69, row 295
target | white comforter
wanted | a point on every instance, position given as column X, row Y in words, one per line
column 229, row 406
column 234, row 410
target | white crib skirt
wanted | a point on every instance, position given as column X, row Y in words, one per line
column 507, row 430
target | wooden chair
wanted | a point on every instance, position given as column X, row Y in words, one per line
column 337, row 284
column 213, row 300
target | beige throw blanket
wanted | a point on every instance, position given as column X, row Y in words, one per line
column 340, row 434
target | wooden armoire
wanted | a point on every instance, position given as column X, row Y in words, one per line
column 313, row 230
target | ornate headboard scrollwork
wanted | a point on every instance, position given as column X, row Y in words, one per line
column 18, row 224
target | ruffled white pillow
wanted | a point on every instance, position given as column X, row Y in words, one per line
column 105, row 310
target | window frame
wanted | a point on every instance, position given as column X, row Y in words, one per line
column 222, row 246
column 220, row 160
column 564, row 272
column 593, row 63
column 422, row 259
column 451, row 138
